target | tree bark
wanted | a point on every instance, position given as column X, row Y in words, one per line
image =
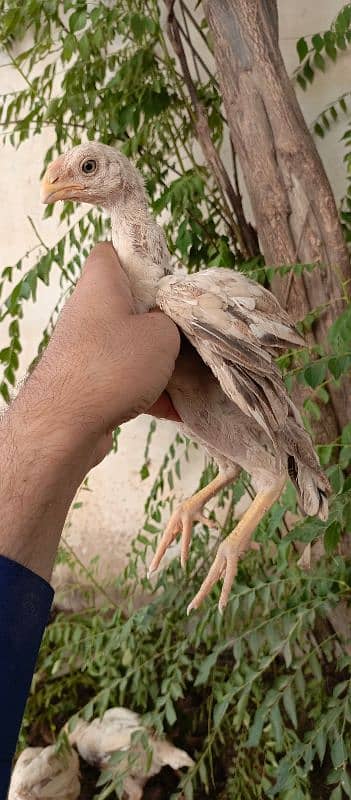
column 292, row 201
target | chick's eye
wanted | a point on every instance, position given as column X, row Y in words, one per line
column 89, row 166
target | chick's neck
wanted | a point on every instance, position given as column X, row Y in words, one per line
column 136, row 238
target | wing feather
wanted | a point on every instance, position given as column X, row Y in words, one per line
column 238, row 327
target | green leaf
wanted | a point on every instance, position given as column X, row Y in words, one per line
column 325, row 453
column 5, row 355
column 315, row 667
column 346, row 782
column 77, row 21
column 345, row 456
column 315, row 373
column 345, row 436
column 341, row 42
column 338, row 753
column 300, row 683
column 336, row 793
column 277, row 725
column 330, row 48
column 302, row 48
column 339, row 365
column 282, row 779
column 206, row 666
column 319, row 131
column 308, row 72
column 312, row 408
column 25, row 290
column 138, row 25
column 319, row 62
column 332, row 537
column 150, row 528
column 256, row 728
column 219, row 711
column 5, row 392
column 306, row 531
column 336, row 477
column 301, row 81
column 188, row 791
column 170, row 712
column 10, row 375
column 203, row 774
column 318, row 42
column 321, row 744
column 289, row 705
column 84, row 46
column 241, row 709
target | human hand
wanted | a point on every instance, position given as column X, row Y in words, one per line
column 104, row 364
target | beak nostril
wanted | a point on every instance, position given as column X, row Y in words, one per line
column 53, row 180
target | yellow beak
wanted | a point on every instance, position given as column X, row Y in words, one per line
column 50, row 192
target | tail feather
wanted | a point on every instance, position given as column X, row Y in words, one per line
column 312, row 496
column 304, row 469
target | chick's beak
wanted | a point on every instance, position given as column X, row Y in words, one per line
column 52, row 190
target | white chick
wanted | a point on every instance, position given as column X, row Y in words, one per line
column 42, row 774
column 97, row 740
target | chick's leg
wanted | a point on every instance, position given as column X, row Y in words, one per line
column 230, row 550
column 187, row 513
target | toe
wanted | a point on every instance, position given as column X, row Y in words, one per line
column 205, row 588
column 229, row 575
column 186, row 537
column 168, row 537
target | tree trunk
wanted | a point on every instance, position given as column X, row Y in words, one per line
column 293, row 204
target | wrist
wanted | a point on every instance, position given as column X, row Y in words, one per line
column 46, row 416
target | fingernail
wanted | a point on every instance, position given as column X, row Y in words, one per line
column 150, row 571
column 190, row 609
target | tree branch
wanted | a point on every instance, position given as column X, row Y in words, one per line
column 240, row 230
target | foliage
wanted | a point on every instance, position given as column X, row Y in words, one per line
column 261, row 698
column 315, row 50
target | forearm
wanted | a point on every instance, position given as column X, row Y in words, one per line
column 44, row 460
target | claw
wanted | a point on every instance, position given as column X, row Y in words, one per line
column 150, row 571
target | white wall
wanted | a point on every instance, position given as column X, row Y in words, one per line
column 112, row 512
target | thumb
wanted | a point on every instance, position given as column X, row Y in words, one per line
column 103, row 283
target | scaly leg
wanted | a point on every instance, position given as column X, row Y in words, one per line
column 230, row 550
column 191, row 511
